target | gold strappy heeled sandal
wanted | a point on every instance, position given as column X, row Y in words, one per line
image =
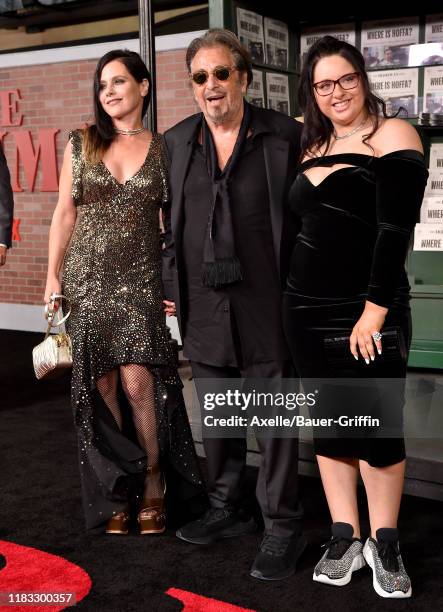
column 152, row 517
column 118, row 524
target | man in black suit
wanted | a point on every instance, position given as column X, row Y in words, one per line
column 6, row 208
column 227, row 249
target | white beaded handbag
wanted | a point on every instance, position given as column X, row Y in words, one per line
column 53, row 356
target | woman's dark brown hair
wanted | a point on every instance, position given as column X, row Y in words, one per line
column 317, row 128
column 98, row 137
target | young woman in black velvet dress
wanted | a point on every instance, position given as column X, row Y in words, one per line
column 357, row 198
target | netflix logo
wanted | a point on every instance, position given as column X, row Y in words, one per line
column 16, row 230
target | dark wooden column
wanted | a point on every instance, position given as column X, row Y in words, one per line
column 147, row 52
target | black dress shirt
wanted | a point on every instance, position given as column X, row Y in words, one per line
column 238, row 325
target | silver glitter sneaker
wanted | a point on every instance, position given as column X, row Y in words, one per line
column 389, row 576
column 342, row 557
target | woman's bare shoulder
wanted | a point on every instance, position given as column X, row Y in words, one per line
column 395, row 135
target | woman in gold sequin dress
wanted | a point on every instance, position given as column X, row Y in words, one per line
column 133, row 431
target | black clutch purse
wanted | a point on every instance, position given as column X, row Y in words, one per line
column 338, row 354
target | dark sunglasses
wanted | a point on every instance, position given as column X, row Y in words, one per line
column 221, row 73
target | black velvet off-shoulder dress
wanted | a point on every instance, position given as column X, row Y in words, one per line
column 355, row 230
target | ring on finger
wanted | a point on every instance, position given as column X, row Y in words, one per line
column 377, row 336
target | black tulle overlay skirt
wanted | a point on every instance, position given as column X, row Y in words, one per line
column 112, row 463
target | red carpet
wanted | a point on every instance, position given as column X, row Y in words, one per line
column 30, row 570
column 46, row 547
column 198, row 603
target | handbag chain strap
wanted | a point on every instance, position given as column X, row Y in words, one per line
column 52, row 312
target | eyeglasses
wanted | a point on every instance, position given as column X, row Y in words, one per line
column 347, row 81
column 221, row 73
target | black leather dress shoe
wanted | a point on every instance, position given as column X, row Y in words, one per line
column 277, row 557
column 215, row 524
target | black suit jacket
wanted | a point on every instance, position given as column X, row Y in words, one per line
column 281, row 147
column 6, row 202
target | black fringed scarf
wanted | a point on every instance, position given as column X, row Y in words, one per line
column 220, row 263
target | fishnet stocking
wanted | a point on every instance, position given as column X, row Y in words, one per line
column 107, row 386
column 138, row 385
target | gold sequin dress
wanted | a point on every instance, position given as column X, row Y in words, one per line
column 112, row 276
